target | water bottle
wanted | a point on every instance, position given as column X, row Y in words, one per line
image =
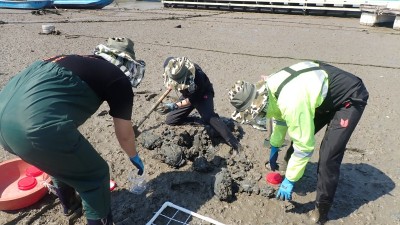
column 138, row 183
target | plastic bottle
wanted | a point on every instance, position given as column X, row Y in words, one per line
column 138, row 184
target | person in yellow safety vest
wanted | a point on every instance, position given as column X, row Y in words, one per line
column 301, row 99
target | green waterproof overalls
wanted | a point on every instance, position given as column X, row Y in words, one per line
column 41, row 109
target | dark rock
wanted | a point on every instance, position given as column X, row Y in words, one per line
column 223, row 186
column 201, row 164
column 267, row 191
column 150, row 141
column 191, row 153
column 148, row 97
column 248, row 186
column 173, row 154
column 185, row 140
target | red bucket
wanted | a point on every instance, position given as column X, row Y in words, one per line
column 17, row 189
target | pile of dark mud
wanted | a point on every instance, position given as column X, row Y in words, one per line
column 200, row 146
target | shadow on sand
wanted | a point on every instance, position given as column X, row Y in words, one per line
column 359, row 184
column 188, row 189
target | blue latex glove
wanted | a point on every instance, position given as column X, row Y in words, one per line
column 285, row 190
column 273, row 156
column 167, row 107
column 138, row 163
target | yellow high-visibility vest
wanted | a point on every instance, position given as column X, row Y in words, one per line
column 294, row 93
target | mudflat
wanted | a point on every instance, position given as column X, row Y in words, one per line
column 228, row 46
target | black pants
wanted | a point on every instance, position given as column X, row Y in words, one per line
column 205, row 107
column 341, row 123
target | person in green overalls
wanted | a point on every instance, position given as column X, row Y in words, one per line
column 301, row 99
column 42, row 107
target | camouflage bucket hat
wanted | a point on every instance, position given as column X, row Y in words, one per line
column 119, row 51
column 122, row 45
column 248, row 99
column 179, row 73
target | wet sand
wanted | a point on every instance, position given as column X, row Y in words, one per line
column 229, row 46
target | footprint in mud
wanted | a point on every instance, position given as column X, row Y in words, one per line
column 187, row 187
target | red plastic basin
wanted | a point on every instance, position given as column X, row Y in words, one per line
column 12, row 173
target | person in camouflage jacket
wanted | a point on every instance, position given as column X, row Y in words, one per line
column 197, row 92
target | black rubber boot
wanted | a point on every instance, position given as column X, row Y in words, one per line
column 105, row 221
column 225, row 133
column 320, row 214
column 69, row 200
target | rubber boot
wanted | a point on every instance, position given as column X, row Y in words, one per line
column 105, row 221
column 320, row 214
column 225, row 133
column 69, row 200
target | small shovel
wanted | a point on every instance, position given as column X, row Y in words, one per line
column 136, row 127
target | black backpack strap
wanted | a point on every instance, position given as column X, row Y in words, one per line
column 293, row 74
